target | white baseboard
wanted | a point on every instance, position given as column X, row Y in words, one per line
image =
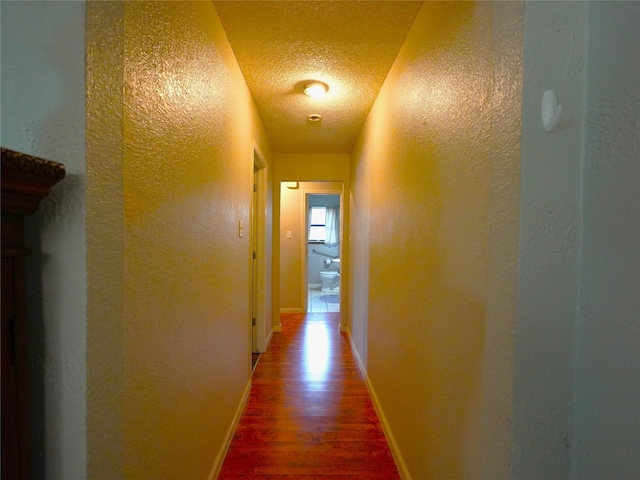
column 217, row 464
column 268, row 340
column 395, row 451
column 291, row 310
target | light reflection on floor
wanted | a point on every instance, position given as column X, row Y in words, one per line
column 309, row 413
column 316, row 351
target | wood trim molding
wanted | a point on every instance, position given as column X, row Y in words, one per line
column 26, row 180
column 292, row 310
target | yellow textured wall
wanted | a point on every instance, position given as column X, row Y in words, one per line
column 290, row 249
column 434, row 238
column 311, row 167
column 188, row 124
column 105, row 240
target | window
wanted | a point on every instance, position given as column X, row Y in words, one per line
column 317, row 224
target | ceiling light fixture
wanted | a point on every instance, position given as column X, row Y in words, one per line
column 316, row 89
column 314, row 117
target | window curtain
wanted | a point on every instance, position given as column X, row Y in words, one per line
column 332, row 227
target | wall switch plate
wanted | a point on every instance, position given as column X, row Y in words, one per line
column 288, row 233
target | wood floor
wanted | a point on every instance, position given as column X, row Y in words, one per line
column 309, row 414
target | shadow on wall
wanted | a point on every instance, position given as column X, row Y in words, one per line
column 60, row 217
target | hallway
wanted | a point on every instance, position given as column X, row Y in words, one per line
column 480, row 250
column 309, row 414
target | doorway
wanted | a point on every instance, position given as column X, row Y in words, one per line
column 295, row 250
column 259, row 338
column 323, row 227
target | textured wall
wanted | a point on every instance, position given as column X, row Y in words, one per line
column 491, row 435
column 434, row 239
column 360, row 246
column 182, row 170
column 105, row 235
column 555, row 58
column 607, row 396
column 43, row 114
column 577, row 385
column 290, row 249
column 188, row 164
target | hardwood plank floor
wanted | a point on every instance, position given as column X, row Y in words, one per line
column 309, row 414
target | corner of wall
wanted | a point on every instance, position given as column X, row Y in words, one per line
column 550, row 240
column 105, row 253
column 606, row 426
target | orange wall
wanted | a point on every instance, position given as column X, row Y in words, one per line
column 434, row 239
column 186, row 170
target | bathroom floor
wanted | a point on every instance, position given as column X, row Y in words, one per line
column 320, row 302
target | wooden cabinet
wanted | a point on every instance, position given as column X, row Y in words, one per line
column 25, row 181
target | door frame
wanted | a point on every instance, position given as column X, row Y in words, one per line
column 258, row 307
column 305, row 192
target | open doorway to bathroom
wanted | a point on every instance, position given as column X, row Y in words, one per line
column 300, row 266
column 323, row 227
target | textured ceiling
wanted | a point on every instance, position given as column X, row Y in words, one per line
column 349, row 45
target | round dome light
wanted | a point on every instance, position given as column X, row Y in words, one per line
column 316, row 89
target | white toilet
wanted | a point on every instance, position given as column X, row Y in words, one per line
column 330, row 280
